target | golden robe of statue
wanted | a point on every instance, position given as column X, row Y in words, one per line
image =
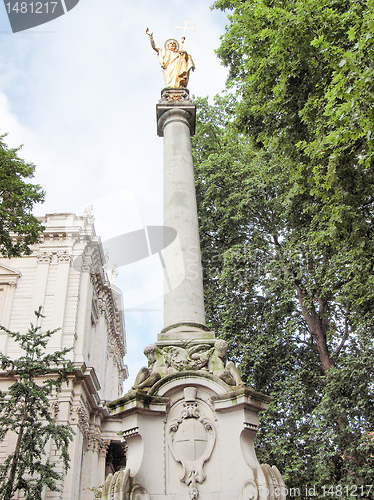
column 176, row 64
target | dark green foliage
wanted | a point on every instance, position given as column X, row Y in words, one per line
column 290, row 288
column 303, row 74
column 304, row 71
column 25, row 409
column 16, row 202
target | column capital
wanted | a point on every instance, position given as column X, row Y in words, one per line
column 175, row 104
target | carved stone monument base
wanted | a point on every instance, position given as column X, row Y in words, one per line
column 191, row 433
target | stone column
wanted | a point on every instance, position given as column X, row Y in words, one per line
column 184, row 316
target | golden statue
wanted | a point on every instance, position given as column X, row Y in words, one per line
column 176, row 64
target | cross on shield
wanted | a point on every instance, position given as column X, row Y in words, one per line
column 191, row 439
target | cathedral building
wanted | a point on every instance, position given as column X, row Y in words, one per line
column 66, row 275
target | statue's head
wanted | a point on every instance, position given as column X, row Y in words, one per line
column 150, row 352
column 172, row 45
column 221, row 346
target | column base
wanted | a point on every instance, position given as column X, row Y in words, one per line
column 186, row 331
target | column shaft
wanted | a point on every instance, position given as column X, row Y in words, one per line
column 184, row 315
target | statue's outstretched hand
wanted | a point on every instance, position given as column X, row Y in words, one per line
column 149, row 32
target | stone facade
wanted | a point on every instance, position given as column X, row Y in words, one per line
column 65, row 275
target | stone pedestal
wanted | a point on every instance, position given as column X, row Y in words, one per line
column 192, row 437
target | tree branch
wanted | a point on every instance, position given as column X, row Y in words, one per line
column 345, row 335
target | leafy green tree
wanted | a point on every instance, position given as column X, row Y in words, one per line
column 292, row 293
column 302, row 72
column 17, row 198
column 25, row 409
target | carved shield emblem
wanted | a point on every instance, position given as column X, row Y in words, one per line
column 191, row 439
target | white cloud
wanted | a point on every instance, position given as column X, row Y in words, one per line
column 80, row 94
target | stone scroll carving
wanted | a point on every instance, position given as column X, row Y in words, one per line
column 274, row 483
column 175, row 96
column 64, row 257
column 78, row 415
column 118, row 487
column 44, row 257
column 171, row 359
column 191, row 438
column 250, row 490
column 138, row 493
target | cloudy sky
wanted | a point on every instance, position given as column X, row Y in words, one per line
column 80, row 94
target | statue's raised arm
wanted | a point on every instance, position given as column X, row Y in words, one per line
column 176, row 64
column 151, row 39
